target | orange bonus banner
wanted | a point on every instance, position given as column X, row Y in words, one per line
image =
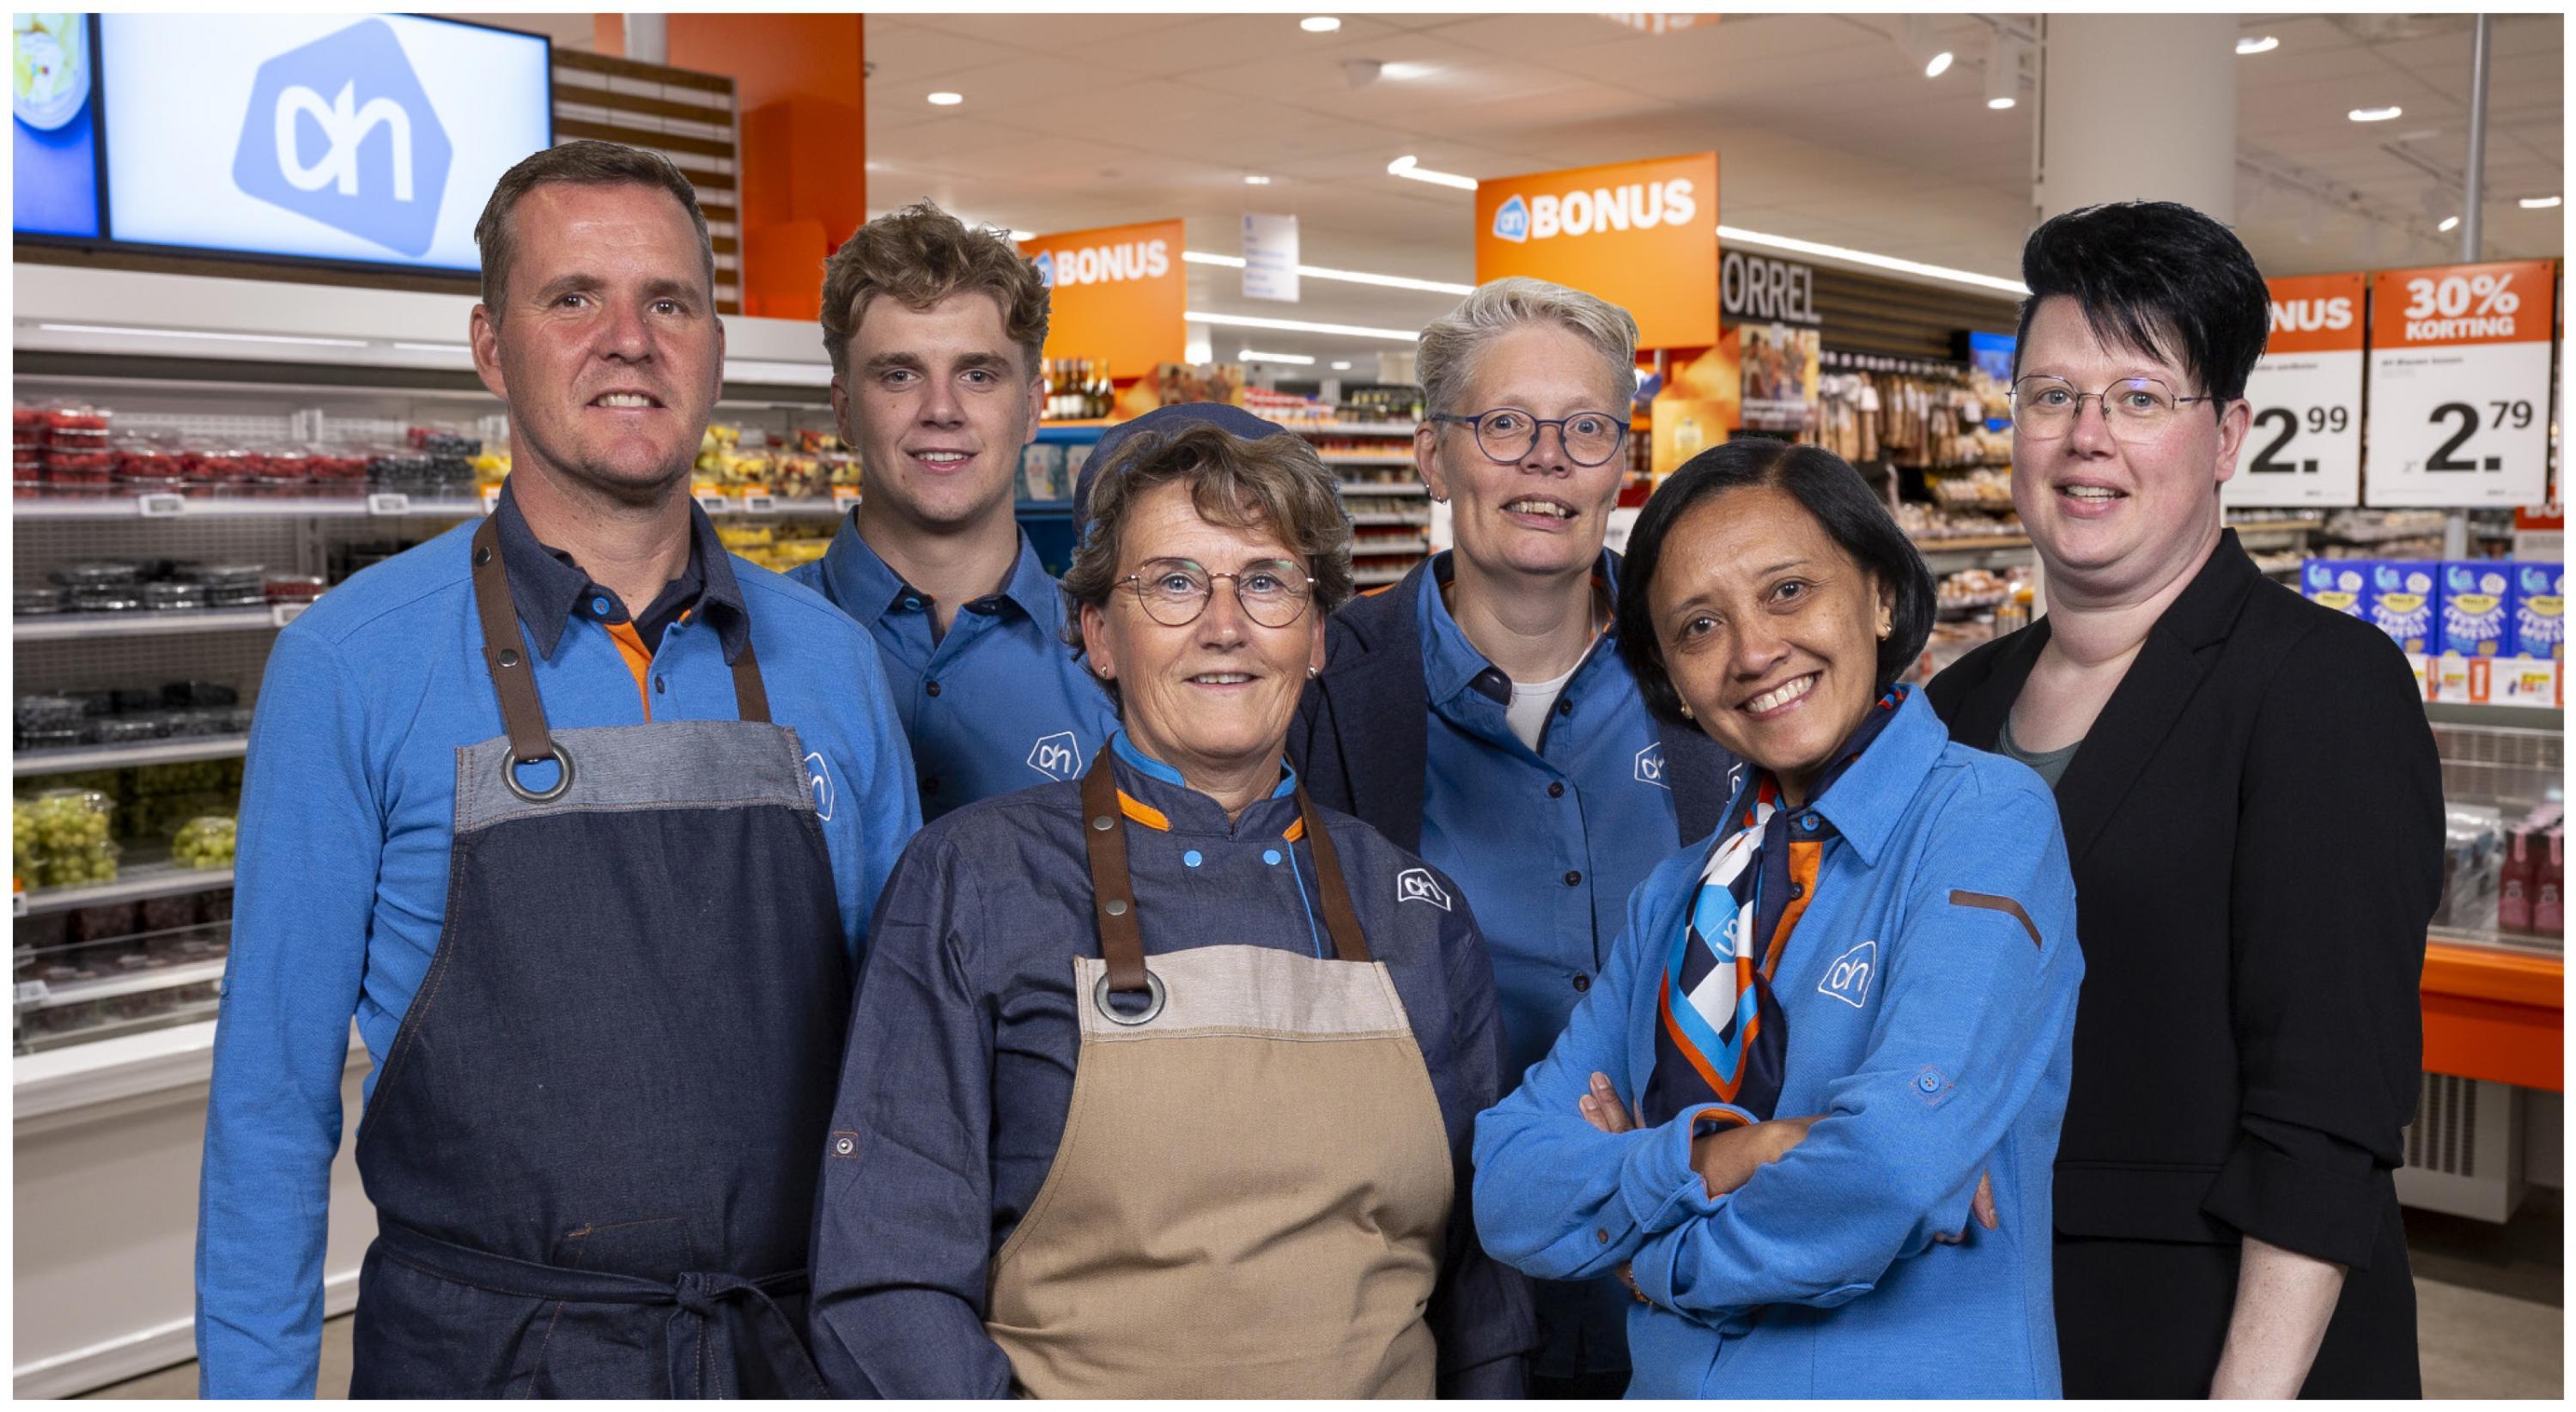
column 2509, row 302
column 2317, row 314
column 1642, row 235
column 1117, row 294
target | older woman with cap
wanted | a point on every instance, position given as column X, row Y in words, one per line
column 1479, row 713
column 1824, row 1025
column 1162, row 1080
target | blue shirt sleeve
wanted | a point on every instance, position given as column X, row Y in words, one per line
column 304, row 894
column 1555, row 1196
column 903, row 1225
column 1979, row 1002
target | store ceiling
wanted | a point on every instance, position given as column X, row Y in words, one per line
column 1825, row 129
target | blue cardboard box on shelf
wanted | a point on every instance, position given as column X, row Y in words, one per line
column 2403, row 598
column 2540, row 611
column 2478, row 607
column 2336, row 583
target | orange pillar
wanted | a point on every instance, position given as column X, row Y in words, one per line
column 798, row 96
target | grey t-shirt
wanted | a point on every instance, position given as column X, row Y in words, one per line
column 2049, row 763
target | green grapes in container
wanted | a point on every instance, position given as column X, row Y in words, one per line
column 70, row 846
column 205, row 842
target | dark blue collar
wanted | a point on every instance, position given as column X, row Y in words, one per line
column 1175, row 806
column 552, row 589
column 861, row 578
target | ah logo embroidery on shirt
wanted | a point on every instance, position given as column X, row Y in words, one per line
column 818, row 778
column 1848, row 978
column 1057, row 756
column 1417, row 885
column 1650, row 766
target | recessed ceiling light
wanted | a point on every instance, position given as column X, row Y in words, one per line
column 1341, row 367
column 2258, row 44
column 2449, row 224
column 1256, row 179
column 1999, row 104
column 1404, row 71
column 945, row 99
column 1320, row 24
column 2537, row 203
column 1940, row 64
column 1250, row 356
column 1407, row 168
column 2376, row 115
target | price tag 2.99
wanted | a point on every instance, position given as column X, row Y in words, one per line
column 2459, row 385
column 2304, row 446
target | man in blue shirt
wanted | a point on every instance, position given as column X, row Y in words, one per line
column 935, row 332
column 583, row 826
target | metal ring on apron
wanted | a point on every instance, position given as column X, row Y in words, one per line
column 1153, row 1003
column 563, row 777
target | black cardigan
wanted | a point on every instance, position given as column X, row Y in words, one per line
column 2255, row 824
column 1363, row 729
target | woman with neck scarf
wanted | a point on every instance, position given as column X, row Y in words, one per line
column 1831, row 1027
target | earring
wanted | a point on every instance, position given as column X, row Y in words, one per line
column 1312, row 673
column 1686, row 712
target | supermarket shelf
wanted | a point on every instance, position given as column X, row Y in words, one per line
column 128, row 507
column 134, row 882
column 1973, row 541
column 86, row 1035
column 68, row 626
column 1350, row 428
column 110, row 757
column 2257, row 538
column 2495, row 1013
column 1377, row 548
column 1352, row 487
column 1353, row 458
column 1371, row 578
column 1375, row 518
column 162, row 978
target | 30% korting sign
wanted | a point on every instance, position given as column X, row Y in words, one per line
column 2459, row 384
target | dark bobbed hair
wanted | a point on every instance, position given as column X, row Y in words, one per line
column 2158, row 278
column 1850, row 512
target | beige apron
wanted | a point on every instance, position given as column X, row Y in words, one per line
column 1254, row 1181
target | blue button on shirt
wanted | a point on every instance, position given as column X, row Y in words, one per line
column 1489, row 821
column 1932, row 1026
column 998, row 703
column 346, row 823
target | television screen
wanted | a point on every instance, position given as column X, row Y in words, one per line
column 373, row 139
column 54, row 140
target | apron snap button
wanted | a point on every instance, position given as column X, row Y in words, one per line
column 845, row 1144
column 1100, row 822
column 509, row 656
column 1116, row 907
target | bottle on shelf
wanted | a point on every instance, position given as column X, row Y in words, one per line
column 2548, row 914
column 2513, row 884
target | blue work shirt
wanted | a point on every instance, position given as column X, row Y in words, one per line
column 963, row 1049
column 1548, row 844
column 347, row 816
column 1930, row 993
column 998, row 703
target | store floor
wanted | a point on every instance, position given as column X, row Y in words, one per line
column 2488, row 1312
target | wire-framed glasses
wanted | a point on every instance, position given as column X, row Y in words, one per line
column 1174, row 592
column 2135, row 409
column 1506, row 434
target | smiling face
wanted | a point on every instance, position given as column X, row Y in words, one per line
column 2117, row 520
column 1542, row 515
column 1212, row 698
column 607, row 350
column 938, row 404
column 1769, row 630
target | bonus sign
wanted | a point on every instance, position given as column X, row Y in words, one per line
column 2304, row 447
column 2459, row 384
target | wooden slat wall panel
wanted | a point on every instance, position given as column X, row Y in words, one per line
column 1870, row 314
column 687, row 117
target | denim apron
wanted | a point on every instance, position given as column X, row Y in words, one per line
column 592, row 1147
column 1254, row 1181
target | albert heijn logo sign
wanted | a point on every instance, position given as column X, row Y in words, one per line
column 1642, row 235
column 1115, row 294
column 340, row 130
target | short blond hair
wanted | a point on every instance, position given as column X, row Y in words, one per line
column 1445, row 355
column 922, row 255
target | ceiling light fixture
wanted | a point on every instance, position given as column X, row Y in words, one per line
column 945, row 99
column 1391, row 335
column 1023, row 237
column 2376, row 115
column 2003, row 70
column 1341, row 367
column 1256, row 180
column 1940, row 64
column 2448, row 225
column 1320, row 24
column 2257, row 44
column 1249, row 356
column 1795, row 246
column 1401, row 71
column 1409, row 168
column 1426, row 286
column 2537, row 203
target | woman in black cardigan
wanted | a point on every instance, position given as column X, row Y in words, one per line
column 2253, row 806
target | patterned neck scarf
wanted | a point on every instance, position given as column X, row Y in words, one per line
column 1721, row 1035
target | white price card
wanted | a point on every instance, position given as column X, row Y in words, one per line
column 280, row 614
column 844, row 497
column 32, row 992
column 759, row 504
column 388, row 503
column 154, row 507
column 2459, row 385
column 716, row 504
column 2304, row 447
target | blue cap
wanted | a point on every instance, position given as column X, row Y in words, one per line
column 1168, row 421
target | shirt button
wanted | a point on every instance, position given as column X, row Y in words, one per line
column 1807, row 822
column 1556, row 790
column 1564, row 707
column 913, row 604
column 1602, row 1235
column 662, row 686
column 929, row 785
column 599, row 606
column 1573, row 878
column 1270, row 856
column 1796, row 891
column 931, row 687
column 1929, row 1083
column 1582, row 981
column 1190, row 859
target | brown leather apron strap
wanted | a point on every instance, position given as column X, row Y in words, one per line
column 1340, row 920
column 1113, row 900
column 505, row 650
column 750, row 697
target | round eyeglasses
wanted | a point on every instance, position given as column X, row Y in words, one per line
column 1174, row 592
column 2135, row 409
column 1506, row 434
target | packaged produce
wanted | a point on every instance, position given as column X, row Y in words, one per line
column 2540, row 611
column 2477, row 608
column 219, row 465
column 199, row 693
column 102, row 573
column 174, row 597
column 2403, row 598
column 38, row 711
column 36, row 600
column 294, row 588
column 68, row 832
column 205, row 842
column 167, row 914
column 128, row 730
column 106, row 921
